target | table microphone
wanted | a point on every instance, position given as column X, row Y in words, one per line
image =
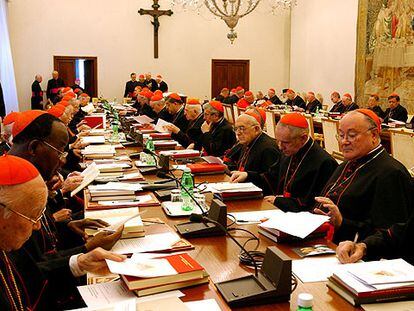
column 204, row 219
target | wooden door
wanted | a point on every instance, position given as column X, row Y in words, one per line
column 90, row 77
column 229, row 73
column 66, row 68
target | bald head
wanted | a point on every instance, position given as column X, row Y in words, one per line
column 247, row 129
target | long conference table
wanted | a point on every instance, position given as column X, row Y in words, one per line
column 219, row 255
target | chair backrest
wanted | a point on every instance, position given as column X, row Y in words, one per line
column 229, row 113
column 330, row 130
column 270, row 124
column 402, row 146
column 235, row 112
column 95, row 100
column 310, row 123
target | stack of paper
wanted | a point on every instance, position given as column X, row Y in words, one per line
column 177, row 154
column 368, row 282
column 113, row 191
column 93, row 139
column 234, row 191
column 99, row 151
column 254, row 217
column 113, row 167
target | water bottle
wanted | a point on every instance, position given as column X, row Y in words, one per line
column 187, row 183
column 305, row 302
column 149, row 144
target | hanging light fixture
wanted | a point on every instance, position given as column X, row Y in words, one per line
column 230, row 11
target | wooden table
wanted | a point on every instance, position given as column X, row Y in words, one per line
column 219, row 256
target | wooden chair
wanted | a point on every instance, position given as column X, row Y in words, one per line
column 402, row 146
column 330, row 130
column 229, row 113
column 315, row 136
column 270, row 124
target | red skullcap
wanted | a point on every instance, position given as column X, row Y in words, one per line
column 217, row 105
column 258, row 114
column 10, row 118
column 24, row 119
column 294, row 119
column 372, row 115
column 16, row 170
column 156, row 98
column 193, row 101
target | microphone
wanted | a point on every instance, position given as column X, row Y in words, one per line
column 163, row 160
column 204, row 219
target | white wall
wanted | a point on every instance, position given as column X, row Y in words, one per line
column 123, row 42
column 323, row 46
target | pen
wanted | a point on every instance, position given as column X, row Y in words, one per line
column 356, row 237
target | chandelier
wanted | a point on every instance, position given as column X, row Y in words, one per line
column 230, row 11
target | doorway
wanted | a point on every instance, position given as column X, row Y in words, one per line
column 229, row 73
column 83, row 68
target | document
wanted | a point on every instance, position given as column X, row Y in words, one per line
column 231, row 187
column 146, row 268
column 315, row 269
column 297, row 224
column 143, row 119
column 99, row 149
column 255, row 217
column 116, row 186
column 104, row 294
column 390, row 306
column 149, row 243
column 89, row 175
column 93, row 139
column 159, row 127
column 203, row 305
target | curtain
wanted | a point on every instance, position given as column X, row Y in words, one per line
column 7, row 78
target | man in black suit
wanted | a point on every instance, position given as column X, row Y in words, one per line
column 348, row 103
column 338, row 105
column 395, row 110
column 53, row 86
column 130, row 85
column 37, row 93
column 161, row 84
column 150, row 83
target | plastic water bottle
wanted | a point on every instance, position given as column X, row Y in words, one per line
column 305, row 302
column 187, row 183
column 149, row 144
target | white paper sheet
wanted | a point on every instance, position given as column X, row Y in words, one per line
column 297, row 224
column 315, row 269
column 390, row 306
column 143, row 119
column 254, row 217
column 203, row 305
column 159, row 127
column 89, row 175
column 93, row 139
column 146, row 268
column 149, row 243
column 117, row 186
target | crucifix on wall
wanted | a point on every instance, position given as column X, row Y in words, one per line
column 155, row 13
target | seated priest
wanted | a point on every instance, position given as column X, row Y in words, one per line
column 217, row 133
column 370, row 190
column 348, row 103
column 374, row 105
column 302, row 172
column 395, row 242
column 246, row 101
column 29, row 282
column 224, row 93
column 273, row 98
column 157, row 104
column 313, row 103
column 395, row 111
column 254, row 150
column 232, row 98
column 143, row 99
column 190, row 138
column 338, row 106
column 175, row 107
column 294, row 100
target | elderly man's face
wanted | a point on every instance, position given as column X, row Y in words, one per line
column 270, row 93
column 15, row 227
column 249, row 99
column 334, row 98
column 45, row 158
column 355, row 137
column 157, row 106
column 173, row 107
column 346, row 101
column 372, row 102
column 290, row 95
column 310, row 97
column 246, row 130
column 211, row 117
column 148, row 76
column 55, row 74
column 393, row 103
column 288, row 143
column 133, row 77
column 190, row 113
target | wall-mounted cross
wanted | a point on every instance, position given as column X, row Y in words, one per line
column 155, row 13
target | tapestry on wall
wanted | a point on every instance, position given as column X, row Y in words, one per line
column 385, row 50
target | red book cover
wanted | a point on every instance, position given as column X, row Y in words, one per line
column 94, row 121
column 206, row 168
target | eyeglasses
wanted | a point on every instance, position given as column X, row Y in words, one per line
column 351, row 136
column 62, row 154
column 33, row 221
column 241, row 128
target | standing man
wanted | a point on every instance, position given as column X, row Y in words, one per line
column 130, row 85
column 53, row 86
column 395, row 110
column 2, row 105
column 338, row 105
column 218, row 135
column 161, row 84
column 150, row 83
column 76, row 85
column 370, row 190
column 37, row 93
column 302, row 172
column 224, row 93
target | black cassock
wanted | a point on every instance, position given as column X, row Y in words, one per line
column 395, row 242
column 399, row 113
column 275, row 100
column 313, row 106
column 219, row 139
column 130, row 88
column 338, row 107
column 165, row 115
column 192, row 134
column 75, row 86
column 147, row 110
column 53, row 87
column 151, row 84
column 378, row 111
column 298, row 179
column 258, row 156
column 162, row 86
column 297, row 101
column 37, row 96
column 351, row 107
column 179, row 120
column 231, row 100
column 372, row 192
